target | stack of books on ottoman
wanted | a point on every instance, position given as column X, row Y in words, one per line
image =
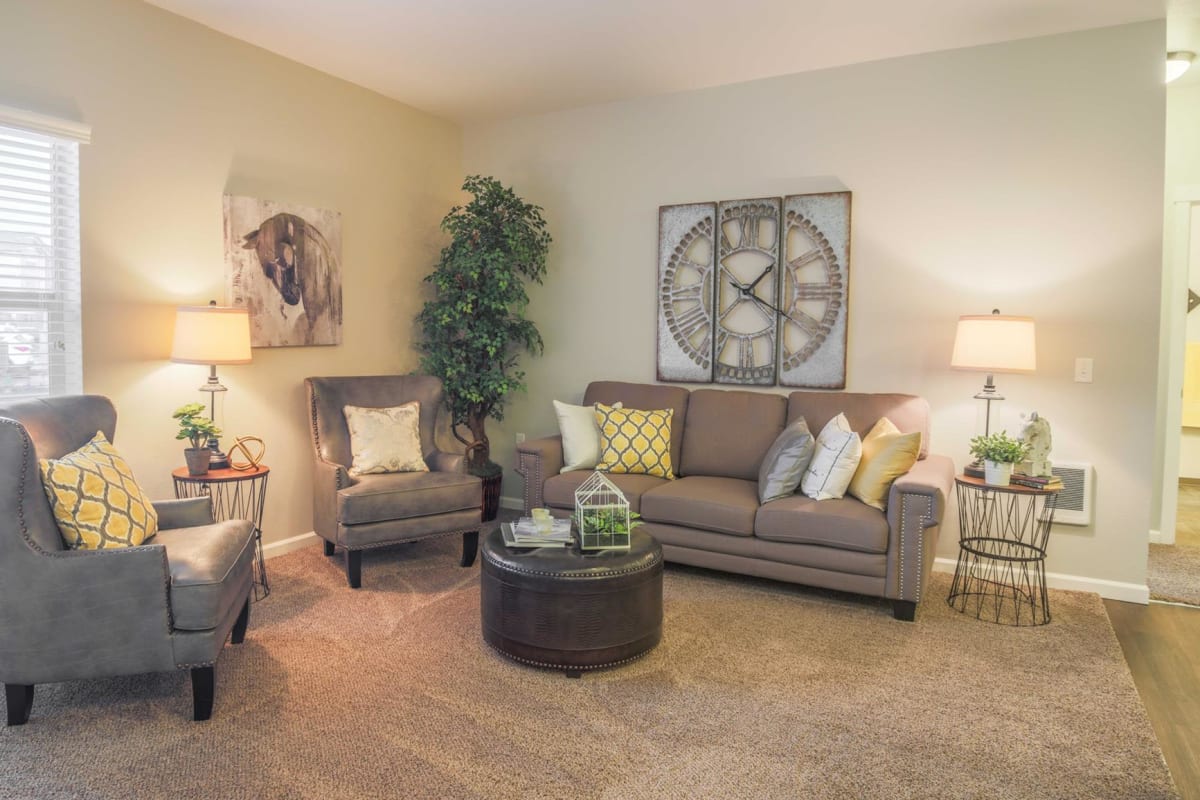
column 540, row 530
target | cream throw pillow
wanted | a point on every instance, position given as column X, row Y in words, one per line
column 886, row 455
column 834, row 461
column 580, row 435
column 385, row 439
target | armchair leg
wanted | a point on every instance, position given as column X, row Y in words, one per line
column 203, row 684
column 329, row 548
column 904, row 610
column 19, row 697
column 470, row 546
column 354, row 568
column 239, row 628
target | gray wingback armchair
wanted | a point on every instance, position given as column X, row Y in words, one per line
column 72, row 614
column 360, row 512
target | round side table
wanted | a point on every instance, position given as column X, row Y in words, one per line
column 1003, row 533
column 236, row 494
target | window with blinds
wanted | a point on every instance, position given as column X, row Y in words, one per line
column 40, row 339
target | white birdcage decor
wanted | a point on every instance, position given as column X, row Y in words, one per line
column 601, row 515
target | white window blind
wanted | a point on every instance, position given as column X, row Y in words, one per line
column 40, row 340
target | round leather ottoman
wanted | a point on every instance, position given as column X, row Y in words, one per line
column 558, row 608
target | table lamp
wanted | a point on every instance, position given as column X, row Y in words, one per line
column 994, row 343
column 212, row 335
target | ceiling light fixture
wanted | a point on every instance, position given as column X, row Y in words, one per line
column 1178, row 62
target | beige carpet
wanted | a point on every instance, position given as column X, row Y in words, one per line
column 1173, row 573
column 758, row 690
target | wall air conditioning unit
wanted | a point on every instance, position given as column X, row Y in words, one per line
column 1074, row 505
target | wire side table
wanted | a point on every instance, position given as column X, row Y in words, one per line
column 236, row 494
column 1003, row 533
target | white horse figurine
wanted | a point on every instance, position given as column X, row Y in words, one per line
column 1036, row 434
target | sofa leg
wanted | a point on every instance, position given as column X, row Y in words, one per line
column 354, row 568
column 204, row 681
column 904, row 610
column 329, row 547
column 19, row 697
column 239, row 627
column 470, row 546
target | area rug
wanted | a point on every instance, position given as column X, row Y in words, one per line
column 758, row 690
column 1173, row 573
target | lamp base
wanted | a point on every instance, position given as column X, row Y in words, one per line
column 974, row 470
column 217, row 459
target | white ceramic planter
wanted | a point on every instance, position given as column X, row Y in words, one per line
column 997, row 473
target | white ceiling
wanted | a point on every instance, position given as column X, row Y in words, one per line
column 482, row 59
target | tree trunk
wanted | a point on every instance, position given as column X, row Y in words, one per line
column 479, row 451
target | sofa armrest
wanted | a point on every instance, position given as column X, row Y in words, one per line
column 328, row 479
column 187, row 512
column 916, row 505
column 538, row 459
column 86, row 613
column 441, row 461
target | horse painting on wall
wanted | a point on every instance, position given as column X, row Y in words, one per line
column 283, row 264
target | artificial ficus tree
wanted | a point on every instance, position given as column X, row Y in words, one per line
column 475, row 328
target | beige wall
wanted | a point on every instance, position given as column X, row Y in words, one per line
column 180, row 115
column 1026, row 176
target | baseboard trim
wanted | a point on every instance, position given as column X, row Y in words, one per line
column 285, row 546
column 512, row 503
column 1158, row 537
column 1111, row 590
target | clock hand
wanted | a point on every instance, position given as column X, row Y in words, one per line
column 765, row 304
column 765, row 273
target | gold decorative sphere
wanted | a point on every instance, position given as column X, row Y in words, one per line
column 243, row 445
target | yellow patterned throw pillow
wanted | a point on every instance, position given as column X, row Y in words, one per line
column 634, row 441
column 97, row 503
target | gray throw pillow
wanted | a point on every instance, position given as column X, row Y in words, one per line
column 785, row 462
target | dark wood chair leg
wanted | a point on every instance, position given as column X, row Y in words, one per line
column 19, row 697
column 470, row 547
column 329, row 547
column 239, row 628
column 904, row 610
column 354, row 568
column 204, row 681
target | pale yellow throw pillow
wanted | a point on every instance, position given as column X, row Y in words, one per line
column 886, row 455
column 385, row 439
column 97, row 503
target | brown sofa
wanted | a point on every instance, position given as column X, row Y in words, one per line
column 710, row 515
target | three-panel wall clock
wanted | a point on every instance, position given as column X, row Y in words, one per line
column 753, row 292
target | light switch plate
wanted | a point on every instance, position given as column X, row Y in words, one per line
column 1083, row 370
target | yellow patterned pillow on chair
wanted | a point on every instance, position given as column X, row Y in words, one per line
column 635, row 442
column 97, row 503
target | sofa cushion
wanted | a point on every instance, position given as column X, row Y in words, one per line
column 635, row 441
column 404, row 495
column 559, row 491
column 846, row 523
column 729, row 432
column 835, row 458
column 909, row 413
column 209, row 568
column 724, row 505
column 645, row 396
column 886, row 455
column 96, row 501
column 785, row 462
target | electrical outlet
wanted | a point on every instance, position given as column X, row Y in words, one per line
column 1083, row 370
column 520, row 438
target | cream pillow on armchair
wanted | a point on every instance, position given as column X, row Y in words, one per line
column 385, row 439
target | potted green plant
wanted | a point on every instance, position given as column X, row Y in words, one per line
column 474, row 329
column 999, row 453
column 197, row 430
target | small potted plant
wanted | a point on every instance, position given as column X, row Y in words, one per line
column 999, row 453
column 197, row 430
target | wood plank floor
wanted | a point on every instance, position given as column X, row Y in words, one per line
column 1162, row 647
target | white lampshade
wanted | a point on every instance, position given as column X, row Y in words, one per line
column 995, row 343
column 211, row 335
column 1178, row 62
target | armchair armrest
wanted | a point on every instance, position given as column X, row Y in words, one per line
column 86, row 613
column 916, row 505
column 187, row 512
column 328, row 479
column 441, row 461
column 538, row 459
